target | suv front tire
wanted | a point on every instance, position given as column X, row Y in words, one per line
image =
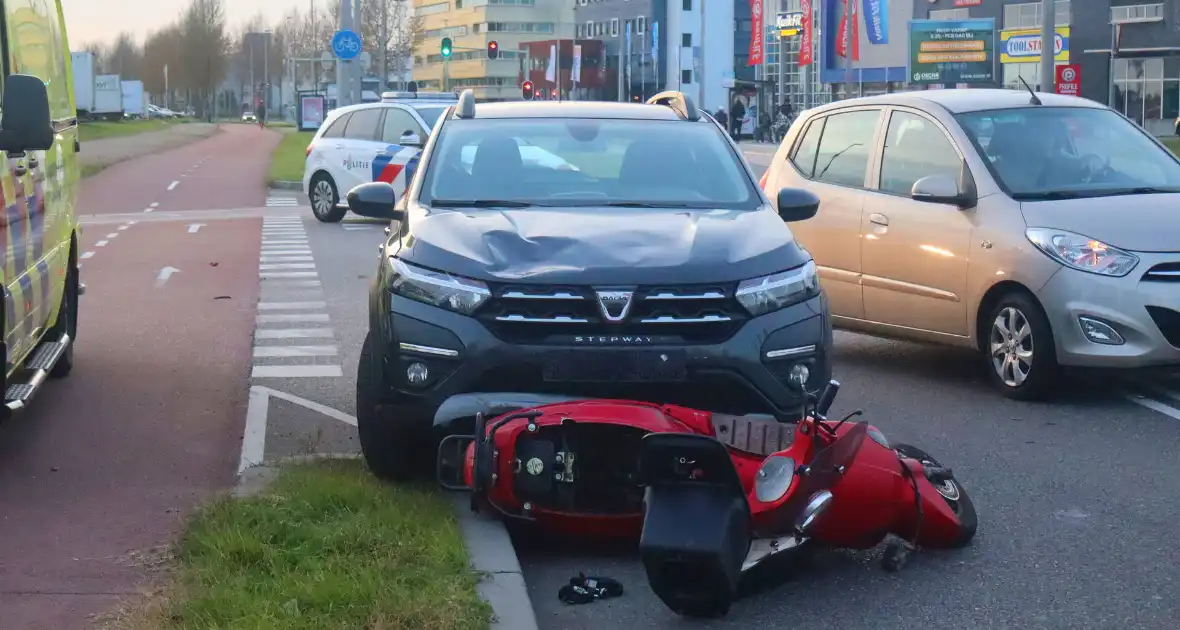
column 394, row 442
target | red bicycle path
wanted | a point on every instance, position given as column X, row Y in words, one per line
column 103, row 468
column 225, row 170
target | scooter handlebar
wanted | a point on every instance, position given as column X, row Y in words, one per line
column 827, row 398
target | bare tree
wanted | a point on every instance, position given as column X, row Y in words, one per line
column 125, row 57
column 389, row 27
column 161, row 50
column 204, row 52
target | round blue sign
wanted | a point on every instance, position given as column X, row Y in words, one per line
column 346, row 45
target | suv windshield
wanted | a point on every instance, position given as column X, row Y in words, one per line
column 1066, row 152
column 580, row 162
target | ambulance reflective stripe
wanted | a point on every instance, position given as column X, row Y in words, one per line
column 36, row 205
column 9, row 323
column 44, row 294
column 16, row 222
column 27, row 300
column 390, row 166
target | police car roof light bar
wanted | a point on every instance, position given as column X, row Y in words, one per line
column 466, row 106
column 421, row 96
column 679, row 102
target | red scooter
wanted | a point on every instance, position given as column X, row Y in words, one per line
column 839, row 484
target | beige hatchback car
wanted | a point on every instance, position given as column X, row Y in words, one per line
column 1043, row 230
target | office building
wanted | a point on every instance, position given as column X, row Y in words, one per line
column 471, row 24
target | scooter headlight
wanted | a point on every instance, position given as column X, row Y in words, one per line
column 774, row 478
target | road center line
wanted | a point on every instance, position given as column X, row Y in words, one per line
column 101, row 244
column 112, row 235
column 173, row 185
column 86, row 255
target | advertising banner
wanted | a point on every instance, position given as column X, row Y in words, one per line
column 805, row 57
column 757, row 32
column 576, row 69
column 952, row 51
column 1024, row 45
column 311, row 112
column 1069, row 80
column 842, row 44
column 876, row 16
column 789, row 24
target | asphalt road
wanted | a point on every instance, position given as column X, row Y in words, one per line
column 96, row 476
column 1077, row 497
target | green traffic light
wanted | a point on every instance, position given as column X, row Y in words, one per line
column 446, row 47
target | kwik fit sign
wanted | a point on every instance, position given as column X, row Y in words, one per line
column 1024, row 45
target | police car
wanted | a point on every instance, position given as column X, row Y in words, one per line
column 369, row 142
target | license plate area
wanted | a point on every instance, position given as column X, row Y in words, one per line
column 616, row 366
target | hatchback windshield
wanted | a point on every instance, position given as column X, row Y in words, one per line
column 1062, row 152
column 580, row 162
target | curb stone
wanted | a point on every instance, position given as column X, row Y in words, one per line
column 488, row 545
column 283, row 185
column 492, row 554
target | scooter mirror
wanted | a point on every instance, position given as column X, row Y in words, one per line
column 816, row 505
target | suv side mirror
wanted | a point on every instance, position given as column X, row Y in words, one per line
column 941, row 189
column 25, row 124
column 410, row 139
column 797, row 204
column 376, row 200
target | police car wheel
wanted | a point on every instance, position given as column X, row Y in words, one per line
column 67, row 321
column 324, row 199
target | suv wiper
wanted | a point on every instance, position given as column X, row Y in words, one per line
column 642, row 204
column 481, row 203
column 1140, row 190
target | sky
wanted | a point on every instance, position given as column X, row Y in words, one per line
column 95, row 20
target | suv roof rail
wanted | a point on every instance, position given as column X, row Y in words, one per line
column 466, row 106
column 422, row 96
column 678, row 101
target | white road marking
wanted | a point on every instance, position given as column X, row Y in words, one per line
column 295, row 351
column 195, row 227
column 293, row 333
column 290, row 306
column 124, row 227
column 101, row 244
column 86, row 255
column 282, row 284
column 268, row 275
column 279, row 266
column 274, row 259
column 155, row 204
column 296, row 371
column 113, row 235
column 286, row 252
column 1154, row 405
column 254, row 433
column 164, row 274
column 173, row 185
column 312, row 405
column 289, row 318
column 148, row 209
column 285, row 242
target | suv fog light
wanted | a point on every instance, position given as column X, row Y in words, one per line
column 1099, row 331
column 798, row 376
column 417, row 374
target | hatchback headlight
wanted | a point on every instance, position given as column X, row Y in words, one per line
column 780, row 290
column 1082, row 252
column 462, row 295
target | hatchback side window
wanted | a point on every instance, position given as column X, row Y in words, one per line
column 844, row 149
column 804, row 155
column 363, row 124
column 915, row 148
column 337, row 128
column 398, row 122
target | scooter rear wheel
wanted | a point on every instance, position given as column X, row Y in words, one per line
column 951, row 491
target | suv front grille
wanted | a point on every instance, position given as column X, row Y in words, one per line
column 1163, row 272
column 667, row 314
column 1168, row 321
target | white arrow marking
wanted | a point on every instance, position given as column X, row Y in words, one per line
column 165, row 273
column 195, row 227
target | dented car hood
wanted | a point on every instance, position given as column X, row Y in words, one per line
column 602, row 246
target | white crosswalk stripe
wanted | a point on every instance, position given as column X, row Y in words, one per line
column 292, row 313
column 282, row 202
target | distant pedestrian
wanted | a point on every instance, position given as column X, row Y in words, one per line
column 722, row 118
column 737, row 112
column 260, row 114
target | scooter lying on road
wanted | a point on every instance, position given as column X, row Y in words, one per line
column 710, row 496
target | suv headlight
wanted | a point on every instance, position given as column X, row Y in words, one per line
column 1082, row 252
column 780, row 290
column 462, row 295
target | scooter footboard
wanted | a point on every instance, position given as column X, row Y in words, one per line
column 696, row 529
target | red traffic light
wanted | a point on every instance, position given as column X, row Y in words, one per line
column 526, row 90
column 493, row 49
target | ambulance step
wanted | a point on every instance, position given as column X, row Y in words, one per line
column 35, row 373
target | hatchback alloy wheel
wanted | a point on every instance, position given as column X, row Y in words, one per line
column 1011, row 346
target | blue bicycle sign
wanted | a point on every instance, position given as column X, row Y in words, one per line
column 346, row 45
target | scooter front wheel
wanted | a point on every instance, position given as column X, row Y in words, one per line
column 951, row 491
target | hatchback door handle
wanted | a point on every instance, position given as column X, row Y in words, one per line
column 878, row 219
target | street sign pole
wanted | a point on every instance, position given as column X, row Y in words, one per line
column 1048, row 45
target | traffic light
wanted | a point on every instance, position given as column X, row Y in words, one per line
column 446, row 48
column 493, row 49
column 526, row 90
